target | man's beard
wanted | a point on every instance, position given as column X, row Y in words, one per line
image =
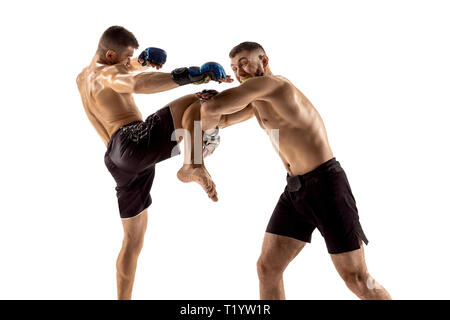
column 259, row 72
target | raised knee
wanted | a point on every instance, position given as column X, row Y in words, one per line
column 190, row 115
column 267, row 270
column 186, row 120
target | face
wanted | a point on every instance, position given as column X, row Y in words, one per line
column 120, row 58
column 247, row 64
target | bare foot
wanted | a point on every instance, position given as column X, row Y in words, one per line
column 189, row 173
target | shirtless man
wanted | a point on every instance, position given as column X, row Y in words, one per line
column 317, row 194
column 134, row 146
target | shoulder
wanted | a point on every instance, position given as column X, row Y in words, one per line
column 112, row 70
column 266, row 84
column 108, row 76
column 80, row 77
column 266, row 81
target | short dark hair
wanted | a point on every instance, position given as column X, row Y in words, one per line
column 116, row 38
column 245, row 46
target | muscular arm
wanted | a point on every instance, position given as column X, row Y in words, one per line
column 236, row 99
column 120, row 79
column 227, row 120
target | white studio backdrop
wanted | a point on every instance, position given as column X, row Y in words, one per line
column 377, row 71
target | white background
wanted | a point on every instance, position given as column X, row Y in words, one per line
column 377, row 71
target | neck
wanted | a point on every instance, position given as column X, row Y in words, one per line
column 268, row 72
column 98, row 59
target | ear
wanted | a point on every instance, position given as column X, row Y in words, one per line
column 265, row 60
column 110, row 55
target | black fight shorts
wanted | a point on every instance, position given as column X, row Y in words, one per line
column 132, row 153
column 320, row 199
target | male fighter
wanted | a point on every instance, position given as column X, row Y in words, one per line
column 134, row 146
column 317, row 194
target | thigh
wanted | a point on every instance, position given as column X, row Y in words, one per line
column 336, row 213
column 290, row 221
column 179, row 106
column 134, row 197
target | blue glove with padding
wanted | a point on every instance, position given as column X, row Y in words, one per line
column 153, row 55
column 213, row 70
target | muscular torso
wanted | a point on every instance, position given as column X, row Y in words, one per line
column 106, row 109
column 301, row 134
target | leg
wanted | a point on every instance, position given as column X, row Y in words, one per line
column 186, row 116
column 352, row 268
column 179, row 106
column 134, row 231
column 277, row 253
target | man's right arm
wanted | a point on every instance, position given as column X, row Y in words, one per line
column 119, row 79
column 235, row 99
column 227, row 120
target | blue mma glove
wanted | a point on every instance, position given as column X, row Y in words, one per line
column 153, row 55
column 214, row 70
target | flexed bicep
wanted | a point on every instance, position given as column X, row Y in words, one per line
column 230, row 119
column 233, row 100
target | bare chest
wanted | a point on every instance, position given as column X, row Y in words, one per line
column 265, row 114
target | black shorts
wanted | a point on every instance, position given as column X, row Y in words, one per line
column 132, row 153
column 319, row 199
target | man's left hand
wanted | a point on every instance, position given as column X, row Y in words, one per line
column 154, row 57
